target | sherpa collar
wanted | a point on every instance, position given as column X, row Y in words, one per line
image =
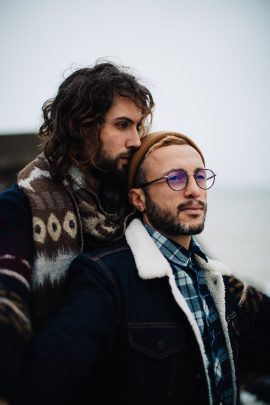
column 150, row 261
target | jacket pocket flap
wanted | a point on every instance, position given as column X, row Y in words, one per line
column 156, row 340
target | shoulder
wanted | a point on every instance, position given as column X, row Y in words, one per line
column 16, row 234
column 39, row 165
column 109, row 251
column 110, row 254
column 114, row 257
column 14, row 198
column 252, row 300
column 13, row 192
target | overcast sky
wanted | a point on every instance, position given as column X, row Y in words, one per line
column 207, row 63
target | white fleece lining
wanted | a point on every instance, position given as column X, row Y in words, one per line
column 151, row 264
column 149, row 261
column 217, row 290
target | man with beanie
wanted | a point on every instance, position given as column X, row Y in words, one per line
column 150, row 319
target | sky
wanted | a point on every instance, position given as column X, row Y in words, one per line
column 206, row 62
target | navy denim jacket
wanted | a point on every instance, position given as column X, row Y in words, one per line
column 123, row 339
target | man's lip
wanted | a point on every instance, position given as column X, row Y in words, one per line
column 125, row 159
column 192, row 209
column 199, row 208
column 192, row 204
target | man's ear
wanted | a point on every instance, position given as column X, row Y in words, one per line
column 137, row 198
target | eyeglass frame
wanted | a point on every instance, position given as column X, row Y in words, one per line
column 142, row 185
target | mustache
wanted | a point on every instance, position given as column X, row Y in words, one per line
column 191, row 204
column 127, row 155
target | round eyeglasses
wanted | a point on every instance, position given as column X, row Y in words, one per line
column 178, row 179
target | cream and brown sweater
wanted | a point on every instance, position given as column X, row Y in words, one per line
column 67, row 219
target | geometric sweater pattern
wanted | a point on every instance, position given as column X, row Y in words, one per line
column 65, row 216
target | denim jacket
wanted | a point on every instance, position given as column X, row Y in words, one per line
column 125, row 334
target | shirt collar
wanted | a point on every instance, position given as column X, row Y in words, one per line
column 172, row 250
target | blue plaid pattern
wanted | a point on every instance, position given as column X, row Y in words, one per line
column 191, row 282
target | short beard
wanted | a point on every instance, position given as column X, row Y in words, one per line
column 106, row 171
column 112, row 193
column 167, row 223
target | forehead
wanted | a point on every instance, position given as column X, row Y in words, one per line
column 124, row 107
column 171, row 157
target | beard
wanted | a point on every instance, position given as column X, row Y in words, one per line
column 106, row 169
column 169, row 224
column 113, row 181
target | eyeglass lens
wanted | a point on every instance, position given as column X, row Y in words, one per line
column 178, row 179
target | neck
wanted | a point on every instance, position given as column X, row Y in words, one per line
column 93, row 182
column 183, row 240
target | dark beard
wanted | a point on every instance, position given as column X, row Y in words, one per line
column 107, row 173
column 168, row 224
column 105, row 169
column 113, row 184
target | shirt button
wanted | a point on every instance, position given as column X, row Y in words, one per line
column 198, row 376
column 161, row 345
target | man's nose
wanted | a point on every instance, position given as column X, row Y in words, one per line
column 192, row 189
column 133, row 140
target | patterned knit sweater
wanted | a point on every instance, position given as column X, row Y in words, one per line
column 43, row 226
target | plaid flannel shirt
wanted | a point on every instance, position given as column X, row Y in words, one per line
column 192, row 284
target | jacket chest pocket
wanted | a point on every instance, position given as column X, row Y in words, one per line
column 156, row 353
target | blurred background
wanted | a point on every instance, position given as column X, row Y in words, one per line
column 207, row 63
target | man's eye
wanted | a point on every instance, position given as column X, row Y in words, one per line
column 177, row 177
column 122, row 124
column 174, row 177
column 200, row 175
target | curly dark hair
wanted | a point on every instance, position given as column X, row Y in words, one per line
column 77, row 112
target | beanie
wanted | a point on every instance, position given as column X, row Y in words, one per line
column 147, row 143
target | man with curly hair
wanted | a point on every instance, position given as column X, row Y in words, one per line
column 71, row 198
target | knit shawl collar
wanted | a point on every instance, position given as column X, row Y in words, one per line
column 67, row 219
